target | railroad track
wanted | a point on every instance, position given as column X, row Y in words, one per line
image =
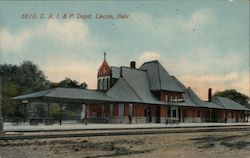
column 116, row 132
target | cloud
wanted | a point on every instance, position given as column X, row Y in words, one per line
column 205, row 60
column 199, row 18
column 80, row 71
column 58, row 40
column 147, row 56
column 197, row 57
column 11, row 42
column 70, row 32
column 205, row 68
column 211, row 79
column 201, row 83
column 173, row 24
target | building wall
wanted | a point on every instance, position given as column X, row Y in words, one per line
column 140, row 114
column 94, row 110
column 139, row 110
column 164, row 111
column 163, row 95
column 191, row 115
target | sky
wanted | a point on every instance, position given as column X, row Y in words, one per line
column 205, row 44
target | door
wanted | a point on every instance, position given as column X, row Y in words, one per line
column 174, row 112
column 158, row 114
column 237, row 118
column 130, row 114
column 149, row 114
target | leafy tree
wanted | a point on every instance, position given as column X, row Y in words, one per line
column 234, row 95
column 71, row 109
column 69, row 83
column 28, row 78
column 18, row 80
column 32, row 78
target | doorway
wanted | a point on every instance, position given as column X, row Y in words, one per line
column 149, row 114
column 158, row 114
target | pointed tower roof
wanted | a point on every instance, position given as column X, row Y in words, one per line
column 104, row 69
column 159, row 78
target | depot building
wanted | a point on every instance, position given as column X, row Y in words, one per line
column 147, row 94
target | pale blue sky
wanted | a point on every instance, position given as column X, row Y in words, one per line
column 204, row 43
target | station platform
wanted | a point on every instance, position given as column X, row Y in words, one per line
column 73, row 126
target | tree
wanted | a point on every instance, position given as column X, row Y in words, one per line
column 32, row 78
column 18, row 80
column 234, row 95
column 27, row 78
column 71, row 109
column 69, row 83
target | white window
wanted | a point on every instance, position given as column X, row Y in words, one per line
column 121, row 110
column 104, row 84
column 98, row 84
column 131, row 109
column 166, row 98
column 175, row 99
column 171, row 98
column 111, row 110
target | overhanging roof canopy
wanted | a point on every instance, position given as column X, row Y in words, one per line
column 67, row 94
column 229, row 104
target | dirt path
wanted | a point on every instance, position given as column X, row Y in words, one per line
column 186, row 145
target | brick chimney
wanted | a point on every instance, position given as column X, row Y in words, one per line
column 132, row 64
column 210, row 94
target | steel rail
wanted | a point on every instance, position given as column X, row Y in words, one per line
column 66, row 134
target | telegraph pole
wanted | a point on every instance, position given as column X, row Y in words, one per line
column 1, row 105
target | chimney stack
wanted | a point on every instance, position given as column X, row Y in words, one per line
column 210, row 94
column 132, row 64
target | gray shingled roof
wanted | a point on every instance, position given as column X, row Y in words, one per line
column 135, row 87
column 123, row 92
column 136, row 84
column 229, row 104
column 73, row 94
column 159, row 78
column 186, row 97
column 193, row 99
column 115, row 72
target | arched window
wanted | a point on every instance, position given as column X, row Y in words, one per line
column 99, row 84
column 103, row 83
column 107, row 83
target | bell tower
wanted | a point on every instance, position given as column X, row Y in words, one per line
column 103, row 76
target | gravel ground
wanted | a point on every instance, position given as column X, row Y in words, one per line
column 186, row 145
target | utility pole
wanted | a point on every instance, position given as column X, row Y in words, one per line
column 1, row 105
